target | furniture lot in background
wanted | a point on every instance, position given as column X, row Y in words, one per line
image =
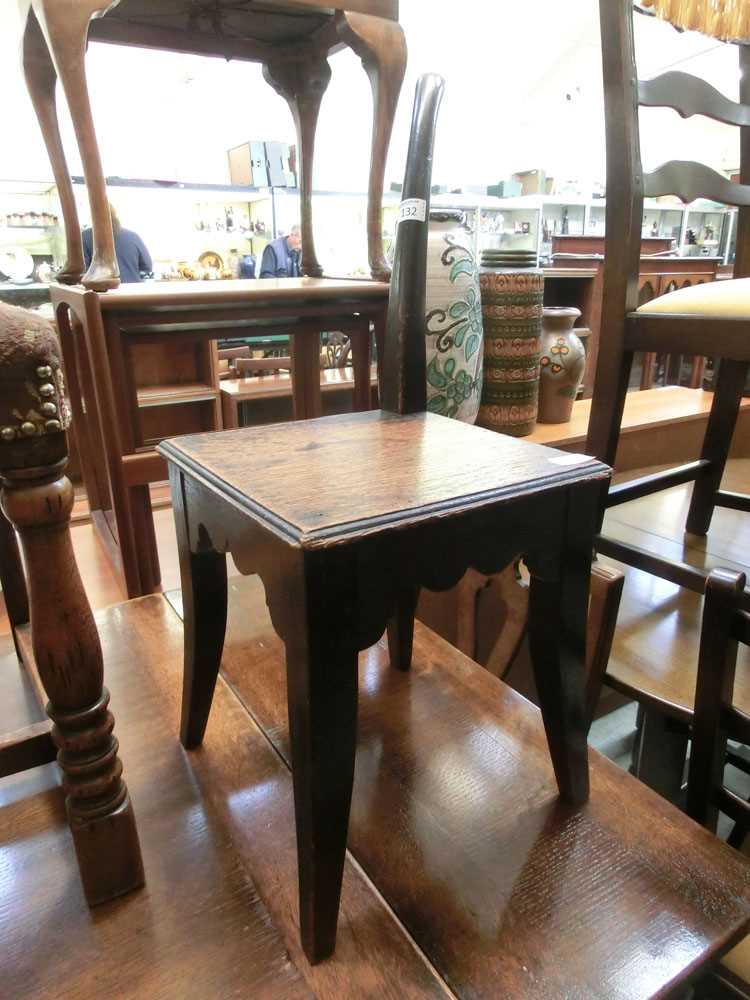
column 109, row 338
column 292, row 43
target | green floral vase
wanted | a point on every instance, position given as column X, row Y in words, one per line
column 454, row 319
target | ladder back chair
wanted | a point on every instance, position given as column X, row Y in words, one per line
column 711, row 319
column 345, row 518
column 53, row 627
column 717, row 719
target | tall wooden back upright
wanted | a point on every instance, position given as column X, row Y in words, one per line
column 62, row 652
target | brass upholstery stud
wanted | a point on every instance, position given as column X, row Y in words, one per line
column 8, row 433
column 44, row 371
column 28, row 428
column 47, row 389
column 52, row 426
column 48, row 409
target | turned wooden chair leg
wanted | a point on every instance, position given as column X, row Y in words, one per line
column 381, row 46
column 301, row 78
column 730, row 384
column 37, row 498
column 65, row 27
column 41, row 82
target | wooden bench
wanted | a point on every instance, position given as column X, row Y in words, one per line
column 260, row 388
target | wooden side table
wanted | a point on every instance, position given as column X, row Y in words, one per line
column 119, row 422
column 291, row 39
column 345, row 518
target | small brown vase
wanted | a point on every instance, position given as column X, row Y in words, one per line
column 561, row 366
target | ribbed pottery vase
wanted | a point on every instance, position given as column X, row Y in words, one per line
column 512, row 317
column 453, row 320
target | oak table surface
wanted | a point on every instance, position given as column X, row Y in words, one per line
column 406, row 468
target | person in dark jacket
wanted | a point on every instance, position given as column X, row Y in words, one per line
column 281, row 258
column 132, row 255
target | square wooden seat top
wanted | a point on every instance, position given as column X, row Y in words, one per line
column 328, row 480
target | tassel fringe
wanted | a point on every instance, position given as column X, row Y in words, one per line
column 728, row 20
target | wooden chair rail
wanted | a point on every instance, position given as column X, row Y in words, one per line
column 679, row 573
column 734, row 501
column 27, row 747
column 646, row 485
column 689, row 95
column 671, row 333
column 690, row 180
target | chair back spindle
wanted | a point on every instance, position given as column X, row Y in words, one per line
column 404, row 362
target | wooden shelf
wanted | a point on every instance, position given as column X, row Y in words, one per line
column 171, row 395
column 680, row 414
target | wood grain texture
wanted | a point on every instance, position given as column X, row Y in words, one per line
column 416, row 467
column 454, row 816
column 206, row 935
column 225, row 815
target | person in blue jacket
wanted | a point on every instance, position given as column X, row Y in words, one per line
column 133, row 258
column 281, row 258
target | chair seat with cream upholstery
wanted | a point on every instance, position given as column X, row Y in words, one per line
column 717, row 299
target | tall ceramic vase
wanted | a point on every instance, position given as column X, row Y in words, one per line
column 563, row 360
column 455, row 340
column 512, row 315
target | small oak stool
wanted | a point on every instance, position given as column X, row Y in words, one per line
column 345, row 518
column 62, row 653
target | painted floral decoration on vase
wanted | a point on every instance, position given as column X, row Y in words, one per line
column 455, row 341
column 562, row 365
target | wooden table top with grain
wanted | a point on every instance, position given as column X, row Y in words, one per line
column 401, row 469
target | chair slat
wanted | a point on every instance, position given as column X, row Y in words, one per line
column 736, row 725
column 741, row 628
column 731, row 804
column 688, row 95
column 689, row 180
